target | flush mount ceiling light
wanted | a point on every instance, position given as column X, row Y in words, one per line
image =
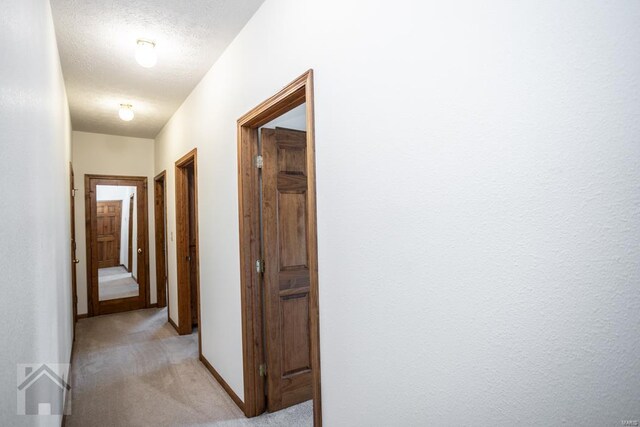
column 146, row 53
column 126, row 112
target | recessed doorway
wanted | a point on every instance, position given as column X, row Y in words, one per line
column 278, row 252
column 117, row 243
column 187, row 253
column 160, row 212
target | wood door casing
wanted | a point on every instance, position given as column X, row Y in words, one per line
column 74, row 256
column 287, row 275
column 95, row 306
column 109, row 222
column 187, row 253
column 299, row 91
column 160, row 233
column 130, row 237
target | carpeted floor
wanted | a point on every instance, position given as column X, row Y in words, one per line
column 116, row 282
column 133, row 369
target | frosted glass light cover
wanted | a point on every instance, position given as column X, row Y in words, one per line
column 146, row 53
column 126, row 112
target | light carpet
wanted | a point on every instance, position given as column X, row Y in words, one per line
column 116, row 282
column 133, row 369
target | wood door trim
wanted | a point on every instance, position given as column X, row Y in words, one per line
column 184, row 292
column 172, row 323
column 296, row 93
column 93, row 303
column 74, row 246
column 130, row 237
column 162, row 275
column 222, row 382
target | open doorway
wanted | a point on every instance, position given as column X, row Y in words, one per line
column 278, row 249
column 160, row 212
column 117, row 242
column 187, row 252
column 116, row 218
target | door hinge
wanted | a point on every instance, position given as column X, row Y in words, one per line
column 259, row 162
column 259, row 266
column 263, row 369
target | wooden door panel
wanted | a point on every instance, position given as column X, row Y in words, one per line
column 287, row 276
column 296, row 388
column 291, row 157
column 295, row 338
column 109, row 218
column 291, row 218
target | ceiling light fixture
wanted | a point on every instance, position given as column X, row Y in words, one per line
column 126, row 112
column 146, row 53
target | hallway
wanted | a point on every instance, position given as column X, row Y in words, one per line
column 132, row 369
column 412, row 213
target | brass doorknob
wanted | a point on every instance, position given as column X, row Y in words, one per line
column 76, row 261
column 139, row 250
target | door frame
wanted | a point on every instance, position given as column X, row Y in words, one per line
column 74, row 246
column 162, row 275
column 130, row 237
column 182, row 245
column 160, row 220
column 94, row 305
column 294, row 94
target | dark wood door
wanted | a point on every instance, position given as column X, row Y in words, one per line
column 161, row 247
column 109, row 218
column 130, row 238
column 187, row 242
column 287, row 276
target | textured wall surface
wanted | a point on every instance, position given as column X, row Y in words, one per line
column 478, row 173
column 35, row 149
column 98, row 154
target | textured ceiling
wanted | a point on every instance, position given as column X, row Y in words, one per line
column 97, row 41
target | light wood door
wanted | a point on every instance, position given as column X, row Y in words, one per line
column 109, row 218
column 287, row 276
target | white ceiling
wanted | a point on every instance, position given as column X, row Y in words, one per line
column 97, row 41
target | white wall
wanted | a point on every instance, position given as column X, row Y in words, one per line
column 35, row 149
column 112, row 192
column 99, row 154
column 478, row 204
